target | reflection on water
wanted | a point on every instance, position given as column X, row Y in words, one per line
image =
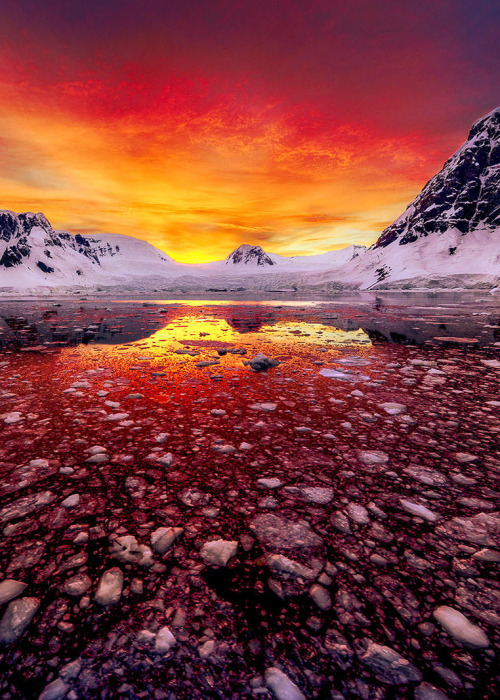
column 378, row 319
column 351, row 483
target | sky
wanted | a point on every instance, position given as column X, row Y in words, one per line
column 198, row 125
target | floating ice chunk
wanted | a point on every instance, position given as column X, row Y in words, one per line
column 281, row 686
column 421, row 511
column 109, row 589
column 219, row 552
column 165, row 641
column 459, row 627
column 117, row 416
column 271, row 482
column 393, row 409
column 9, row 589
column 13, row 417
column 71, row 501
column 373, row 456
column 343, row 375
column 264, row 406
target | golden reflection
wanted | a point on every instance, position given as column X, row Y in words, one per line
column 314, row 333
column 187, row 328
column 223, row 302
column 207, row 333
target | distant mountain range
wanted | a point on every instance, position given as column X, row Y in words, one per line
column 35, row 256
column 449, row 236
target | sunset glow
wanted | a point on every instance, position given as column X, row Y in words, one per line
column 202, row 125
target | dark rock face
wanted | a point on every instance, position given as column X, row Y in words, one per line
column 15, row 226
column 464, row 195
column 16, row 229
column 44, row 268
column 249, row 255
column 13, row 255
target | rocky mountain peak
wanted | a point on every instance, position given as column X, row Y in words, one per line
column 464, row 196
column 249, row 255
column 489, row 123
column 14, row 226
column 23, row 233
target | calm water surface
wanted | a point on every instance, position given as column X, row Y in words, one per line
column 354, row 486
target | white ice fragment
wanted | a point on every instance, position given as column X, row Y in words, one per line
column 13, row 417
column 271, row 482
column 459, row 627
column 421, row 511
column 281, row 686
column 109, row 589
column 165, row 641
column 219, row 552
column 393, row 409
column 117, row 416
column 71, row 501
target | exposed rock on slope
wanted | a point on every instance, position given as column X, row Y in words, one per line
column 464, row 195
column 249, row 255
column 449, row 235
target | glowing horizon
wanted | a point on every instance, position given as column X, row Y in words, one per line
column 199, row 129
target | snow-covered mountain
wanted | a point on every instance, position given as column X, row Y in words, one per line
column 33, row 254
column 248, row 259
column 450, row 234
column 249, row 256
column 324, row 261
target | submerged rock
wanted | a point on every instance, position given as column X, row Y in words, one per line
column 389, row 666
column 16, row 618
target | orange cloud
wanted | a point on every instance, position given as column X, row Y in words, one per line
column 197, row 167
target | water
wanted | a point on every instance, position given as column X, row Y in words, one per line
column 370, row 415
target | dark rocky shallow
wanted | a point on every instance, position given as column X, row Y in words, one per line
column 176, row 524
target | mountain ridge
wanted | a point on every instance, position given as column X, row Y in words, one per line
column 32, row 253
column 448, row 236
column 464, row 194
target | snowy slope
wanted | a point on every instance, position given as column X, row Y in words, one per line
column 32, row 255
column 35, row 256
column 450, row 234
column 325, row 261
column 446, row 259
